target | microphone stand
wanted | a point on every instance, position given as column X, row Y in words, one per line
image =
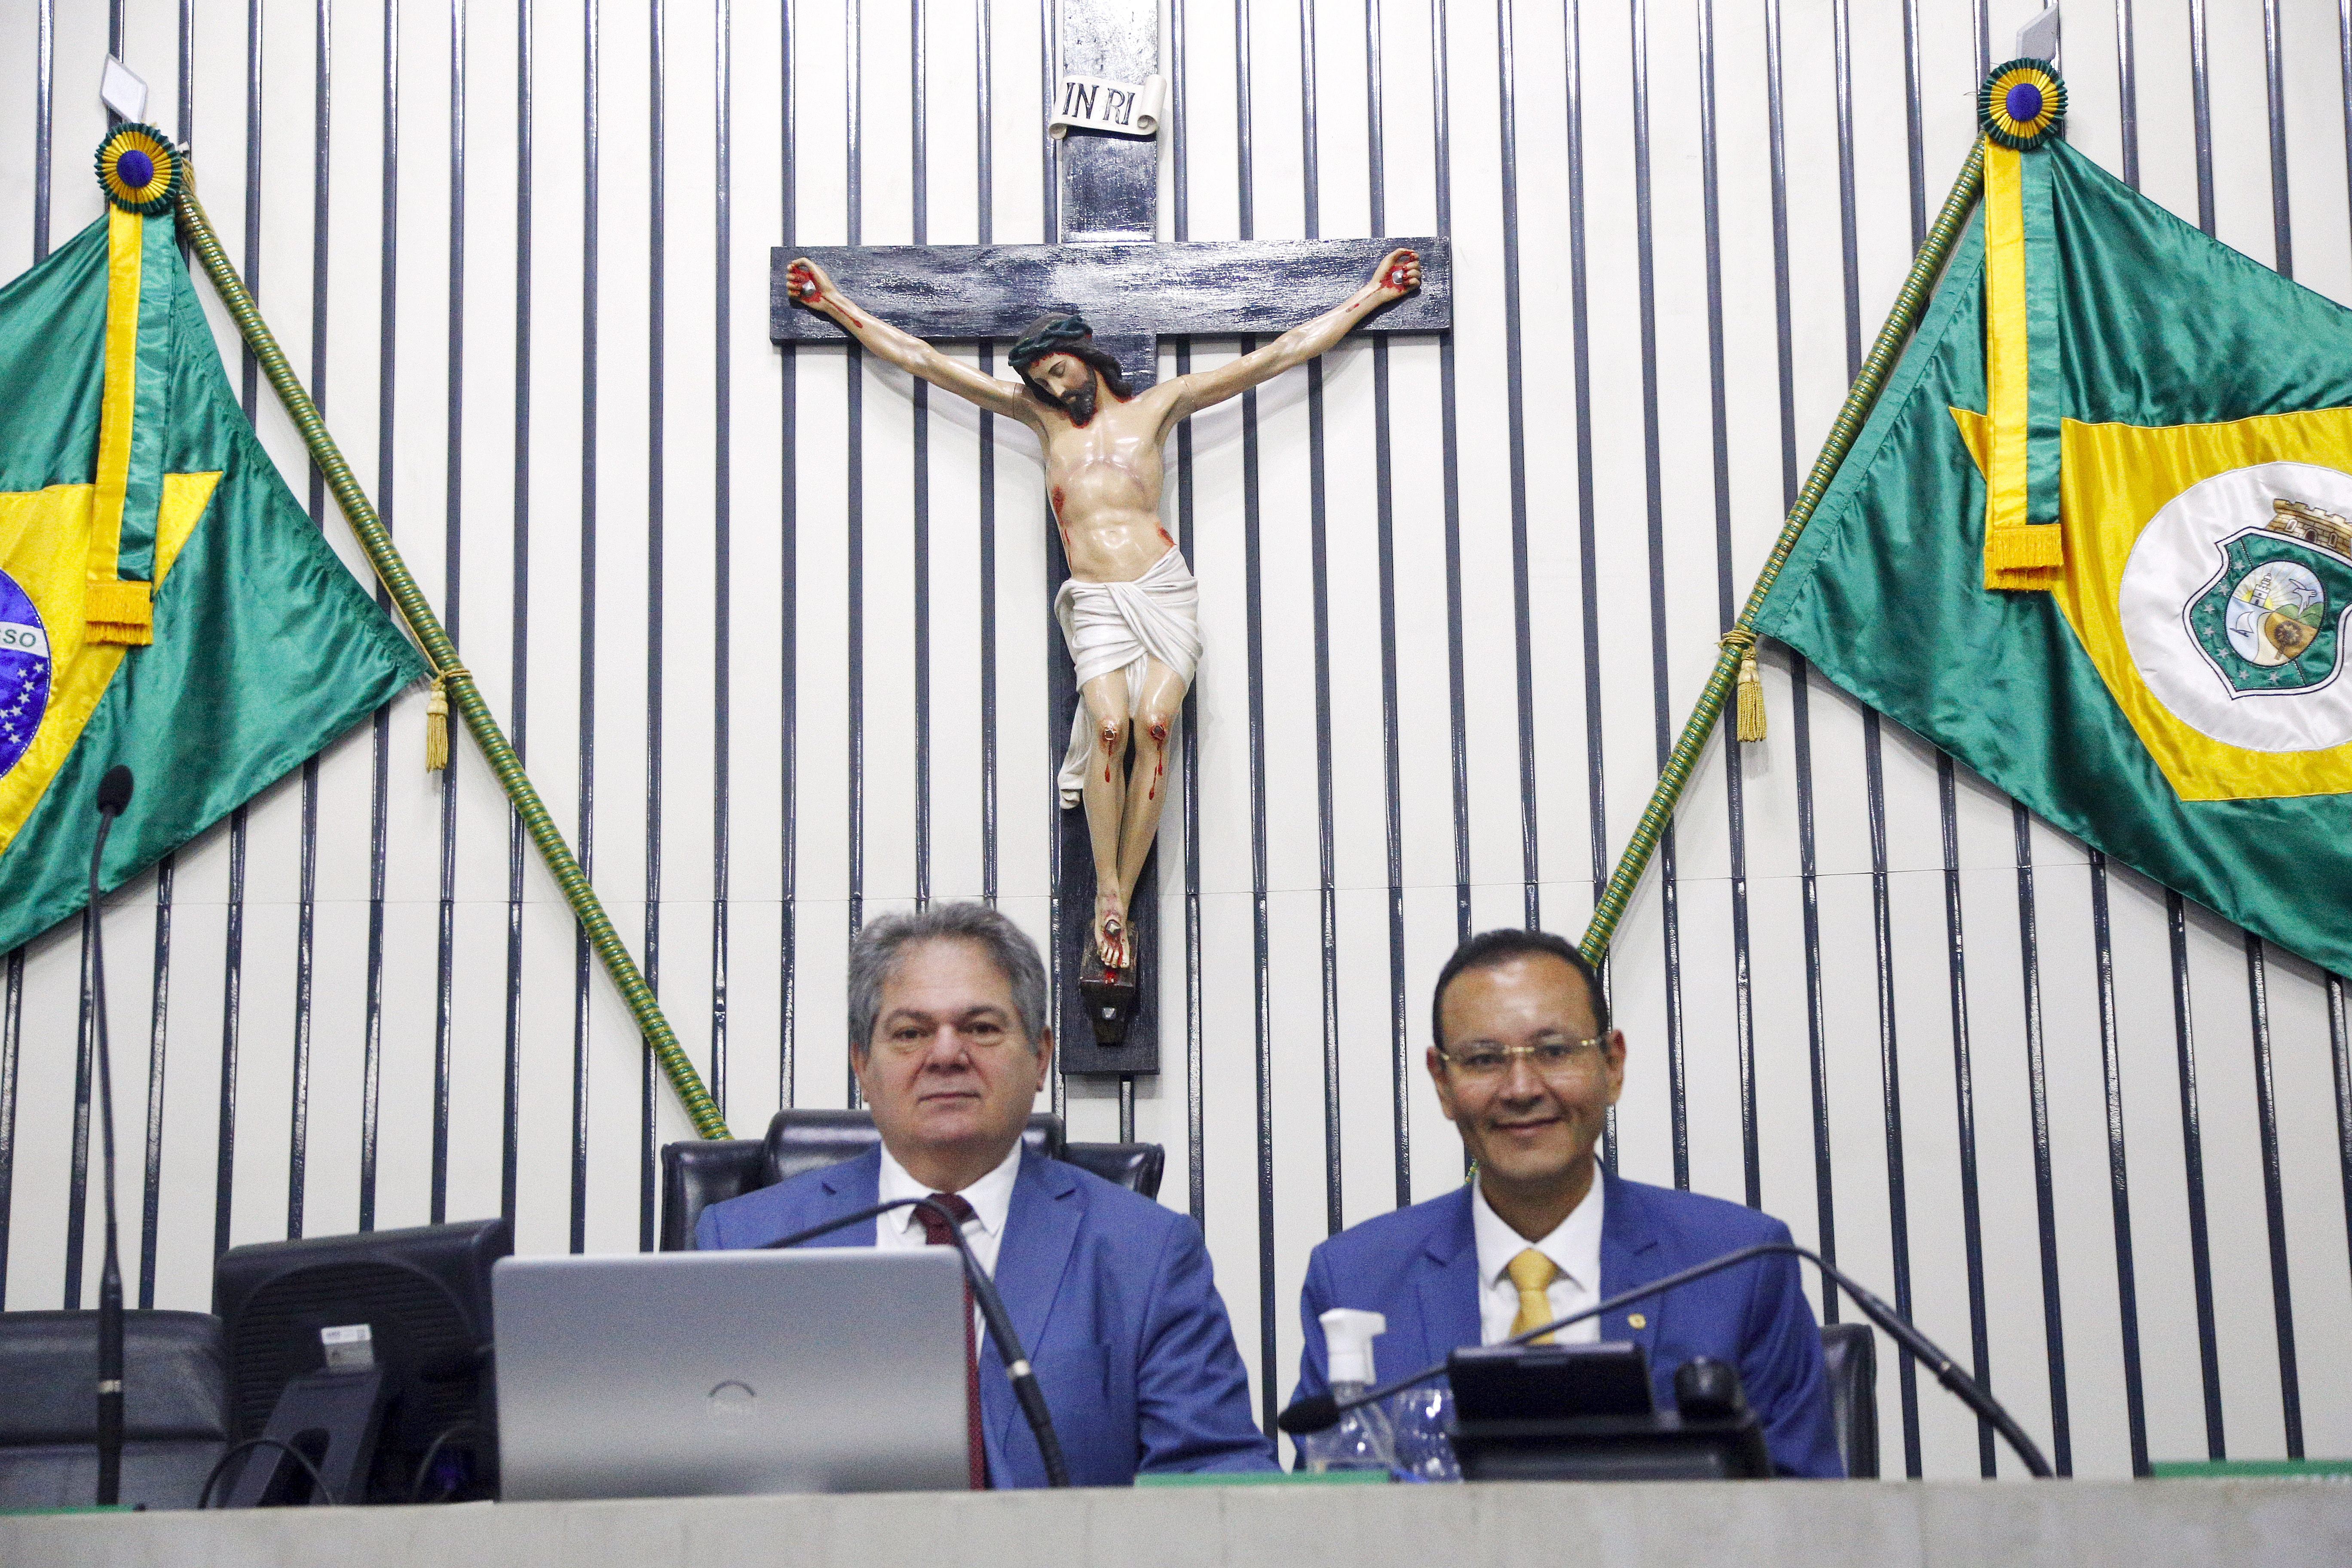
column 1017, row 1370
column 1318, row 1411
column 111, row 802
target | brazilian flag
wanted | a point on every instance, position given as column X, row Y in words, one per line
column 165, row 601
column 2096, row 541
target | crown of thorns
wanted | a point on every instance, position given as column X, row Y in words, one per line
column 1053, row 338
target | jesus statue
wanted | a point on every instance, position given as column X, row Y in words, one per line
column 1129, row 610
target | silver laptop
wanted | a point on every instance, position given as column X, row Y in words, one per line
column 707, row 1373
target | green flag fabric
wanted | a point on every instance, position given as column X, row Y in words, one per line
column 2174, row 693
column 164, row 602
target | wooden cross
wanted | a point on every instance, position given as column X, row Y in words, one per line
column 1132, row 291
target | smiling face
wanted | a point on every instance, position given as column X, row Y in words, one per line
column 1533, row 1133
column 948, row 1076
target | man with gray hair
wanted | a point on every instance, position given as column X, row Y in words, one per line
column 1111, row 1293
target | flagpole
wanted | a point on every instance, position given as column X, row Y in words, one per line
column 1738, row 644
column 426, row 628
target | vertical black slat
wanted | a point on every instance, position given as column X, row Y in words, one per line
column 1262, row 979
column 1800, row 726
column 1914, row 132
column 85, row 1066
column 2127, row 90
column 919, row 180
column 380, row 799
column 445, row 956
column 1800, row 703
column 1317, row 521
column 519, row 606
column 1588, row 536
column 1506, row 71
column 306, row 928
column 1392, row 765
column 1450, row 439
column 2119, row 1175
column 1964, row 1099
column 984, row 176
column 2202, row 113
column 1653, row 493
column 12, row 1022
column 1890, row 1070
column 788, row 608
column 233, row 945
column 590, row 155
column 2046, row 1201
column 657, row 366
column 45, row 45
column 1180, row 227
column 722, row 503
column 1735, row 778
column 232, row 976
column 2274, row 81
column 2258, row 1003
column 2192, row 1152
column 186, row 62
column 853, row 524
column 2339, row 1057
column 159, row 1014
column 1052, row 186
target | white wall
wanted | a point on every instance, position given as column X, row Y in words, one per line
column 419, row 370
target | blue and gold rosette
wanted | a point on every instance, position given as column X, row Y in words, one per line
column 139, row 170
column 2022, row 104
column 2020, row 107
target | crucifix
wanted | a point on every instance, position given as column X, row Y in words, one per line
column 1085, row 317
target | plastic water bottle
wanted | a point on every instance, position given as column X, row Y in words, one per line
column 1363, row 1438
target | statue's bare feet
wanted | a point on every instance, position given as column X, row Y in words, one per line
column 1110, row 930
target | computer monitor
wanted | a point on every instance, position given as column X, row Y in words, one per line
column 413, row 1307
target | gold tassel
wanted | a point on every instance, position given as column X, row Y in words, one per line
column 1747, row 722
column 1752, row 698
column 437, row 725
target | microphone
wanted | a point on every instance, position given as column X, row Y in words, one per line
column 113, row 794
column 1017, row 1370
column 1318, row 1411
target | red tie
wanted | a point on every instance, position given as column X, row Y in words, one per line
column 935, row 1234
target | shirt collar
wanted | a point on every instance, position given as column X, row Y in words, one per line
column 990, row 1197
column 1574, row 1245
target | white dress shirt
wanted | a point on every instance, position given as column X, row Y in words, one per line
column 1574, row 1247
column 991, row 1198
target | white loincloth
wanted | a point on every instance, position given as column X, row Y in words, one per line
column 1122, row 626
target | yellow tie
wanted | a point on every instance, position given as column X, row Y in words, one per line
column 1531, row 1273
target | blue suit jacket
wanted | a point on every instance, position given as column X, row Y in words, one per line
column 1420, row 1267
column 1112, row 1298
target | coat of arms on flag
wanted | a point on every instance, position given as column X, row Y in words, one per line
column 2093, row 539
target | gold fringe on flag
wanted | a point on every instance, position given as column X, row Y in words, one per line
column 1749, row 713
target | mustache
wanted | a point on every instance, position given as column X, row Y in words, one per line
column 1080, row 404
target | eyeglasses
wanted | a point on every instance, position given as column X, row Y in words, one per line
column 1551, row 1059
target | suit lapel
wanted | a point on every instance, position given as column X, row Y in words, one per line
column 846, row 1188
column 1040, row 1228
column 1629, row 1245
column 1448, row 1282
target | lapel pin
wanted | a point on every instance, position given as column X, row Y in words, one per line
column 1636, row 1321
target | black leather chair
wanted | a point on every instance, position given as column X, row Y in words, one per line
column 1852, row 1352
column 175, row 1407
column 711, row 1170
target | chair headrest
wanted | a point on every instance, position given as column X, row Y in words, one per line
column 800, row 1141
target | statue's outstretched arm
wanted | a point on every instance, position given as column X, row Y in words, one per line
column 1398, row 275
column 812, row 289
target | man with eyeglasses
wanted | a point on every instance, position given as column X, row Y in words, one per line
column 1110, row 1292
column 1527, row 1068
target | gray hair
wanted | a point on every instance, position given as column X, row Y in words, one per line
column 874, row 952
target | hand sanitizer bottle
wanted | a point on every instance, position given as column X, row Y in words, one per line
column 1362, row 1439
